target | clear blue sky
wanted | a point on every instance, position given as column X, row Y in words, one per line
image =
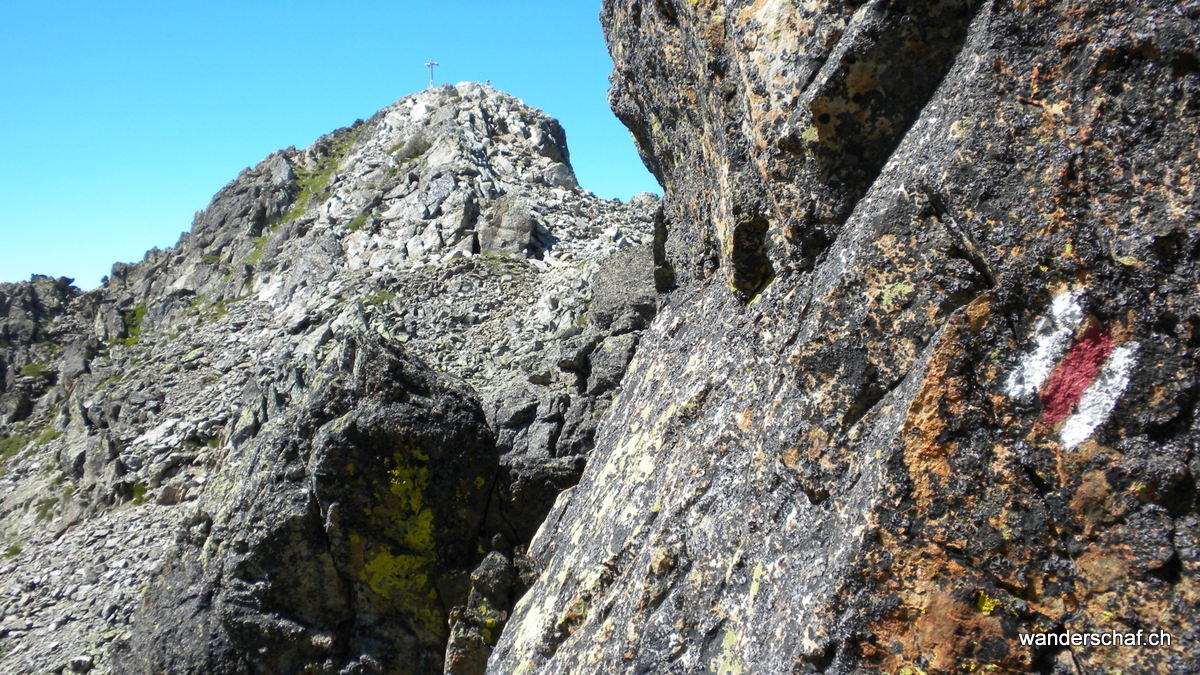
column 119, row 120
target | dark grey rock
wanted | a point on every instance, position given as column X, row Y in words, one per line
column 559, row 175
column 624, row 296
column 354, row 566
column 609, row 361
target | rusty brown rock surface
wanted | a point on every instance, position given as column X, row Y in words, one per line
column 928, row 380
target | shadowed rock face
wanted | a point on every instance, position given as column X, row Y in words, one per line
column 929, row 379
column 767, row 123
column 339, row 539
column 26, row 354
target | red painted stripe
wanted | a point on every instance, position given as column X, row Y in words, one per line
column 1074, row 373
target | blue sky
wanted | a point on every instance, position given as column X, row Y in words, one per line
column 119, row 120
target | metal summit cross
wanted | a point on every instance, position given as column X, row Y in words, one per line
column 431, row 65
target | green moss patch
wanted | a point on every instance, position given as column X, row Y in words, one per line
column 47, row 436
column 12, row 445
column 379, row 297
column 411, row 149
column 260, row 243
column 33, row 369
column 133, row 325
column 358, row 222
column 896, row 292
column 314, row 182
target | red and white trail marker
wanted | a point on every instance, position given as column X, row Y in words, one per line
column 1078, row 376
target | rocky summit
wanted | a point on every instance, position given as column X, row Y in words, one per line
column 287, row 443
column 899, row 376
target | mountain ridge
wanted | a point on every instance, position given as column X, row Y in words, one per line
column 446, row 229
column 880, row 215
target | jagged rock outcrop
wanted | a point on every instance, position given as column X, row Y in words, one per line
column 929, row 378
column 27, row 345
column 287, row 442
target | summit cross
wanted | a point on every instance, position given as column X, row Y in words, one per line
column 431, row 65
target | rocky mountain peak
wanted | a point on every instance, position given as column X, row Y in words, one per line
column 435, row 273
column 448, row 172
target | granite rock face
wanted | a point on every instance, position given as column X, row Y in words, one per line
column 928, row 380
column 302, row 438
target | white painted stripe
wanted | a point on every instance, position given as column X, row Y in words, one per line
column 1101, row 396
column 1052, row 338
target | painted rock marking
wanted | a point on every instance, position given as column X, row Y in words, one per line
column 1080, row 377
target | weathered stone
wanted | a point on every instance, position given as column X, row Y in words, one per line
column 75, row 358
column 609, row 361
column 509, row 229
column 477, row 625
column 559, row 175
column 624, row 294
